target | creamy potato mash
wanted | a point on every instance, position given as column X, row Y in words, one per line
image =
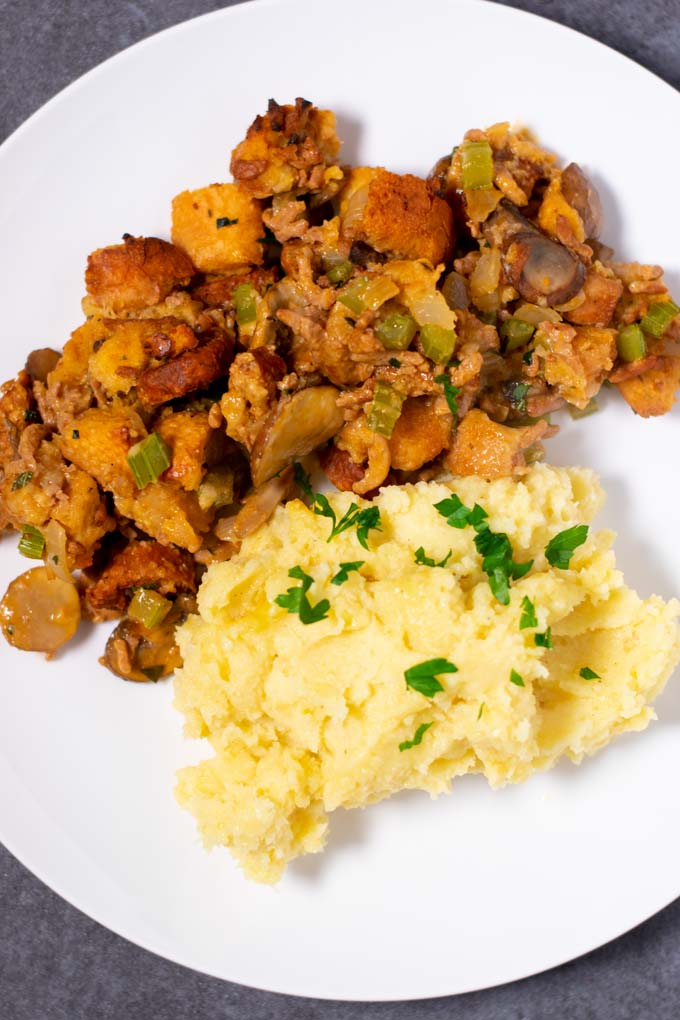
column 305, row 718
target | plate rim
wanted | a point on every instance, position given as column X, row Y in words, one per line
column 26, row 857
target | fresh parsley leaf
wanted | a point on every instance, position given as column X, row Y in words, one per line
column 528, row 356
column 455, row 511
column 406, row 745
column 515, row 678
column 477, row 518
column 528, row 618
column 451, row 392
column 427, row 561
column 394, row 363
column 543, row 640
column 589, row 674
column 423, row 677
column 367, row 520
column 302, row 480
column 481, row 710
column 497, row 562
column 224, row 221
column 560, row 549
column 23, row 479
column 517, row 395
column 295, row 599
column 344, row 571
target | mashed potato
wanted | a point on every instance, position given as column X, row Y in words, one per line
column 303, row 719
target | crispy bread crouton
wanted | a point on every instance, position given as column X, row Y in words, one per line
column 218, row 227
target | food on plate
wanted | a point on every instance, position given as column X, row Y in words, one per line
column 355, row 648
column 396, row 326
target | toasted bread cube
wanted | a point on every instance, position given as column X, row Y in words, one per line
column 654, row 392
column 218, row 227
column 397, row 215
column 136, row 274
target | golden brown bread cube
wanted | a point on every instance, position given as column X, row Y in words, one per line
column 168, row 514
column 118, row 362
column 395, row 214
column 290, row 148
column 421, row 432
column 193, row 443
column 136, row 565
column 218, row 227
column 483, row 447
column 99, row 440
column 653, row 392
column 136, row 274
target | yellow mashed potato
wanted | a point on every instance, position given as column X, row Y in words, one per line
column 304, row 719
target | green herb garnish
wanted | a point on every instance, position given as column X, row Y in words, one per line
column 423, row 677
column 23, row 479
column 481, row 710
column 31, row 416
column 457, row 514
column 516, row 393
column 345, row 570
column 224, row 221
column 426, row 561
column 302, row 480
column 406, row 745
column 451, row 393
column 365, row 520
column 528, row 618
column 295, row 599
column 497, row 562
column 589, row 674
column 560, row 549
column 543, row 640
column 515, row 678
column 75, row 434
column 394, row 363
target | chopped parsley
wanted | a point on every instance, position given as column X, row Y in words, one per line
column 451, row 393
column 515, row 678
column 497, row 562
column 364, row 520
column 224, row 221
column 75, row 434
column 23, row 479
column 543, row 640
column 481, row 710
column 517, row 395
column 458, row 515
column 295, row 599
column 423, row 677
column 528, row 618
column 426, row 561
column 589, row 674
column 31, row 415
column 345, row 570
column 406, row 745
column 394, row 363
column 527, row 357
column 560, row 549
column 302, row 480
column 494, row 547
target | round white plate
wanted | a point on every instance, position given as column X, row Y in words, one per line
column 412, row 898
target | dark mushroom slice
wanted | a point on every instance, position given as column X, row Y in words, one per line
column 41, row 362
column 134, row 652
column 541, row 270
column 455, row 290
column 296, row 426
column 583, row 197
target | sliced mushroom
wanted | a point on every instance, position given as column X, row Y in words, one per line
column 257, row 508
column 295, row 427
column 582, row 196
column 455, row 290
column 40, row 612
column 135, row 653
column 40, row 363
column 542, row 270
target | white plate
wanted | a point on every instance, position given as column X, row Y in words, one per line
column 413, row 898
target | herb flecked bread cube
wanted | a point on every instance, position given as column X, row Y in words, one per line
column 218, row 227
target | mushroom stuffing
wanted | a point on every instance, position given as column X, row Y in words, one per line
column 383, row 327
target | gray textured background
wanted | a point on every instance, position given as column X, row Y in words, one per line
column 56, row 964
